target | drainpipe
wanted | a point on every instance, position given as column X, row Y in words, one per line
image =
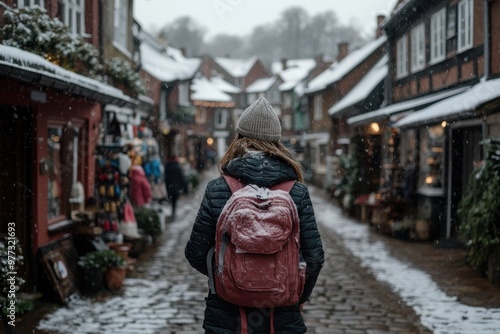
column 486, row 19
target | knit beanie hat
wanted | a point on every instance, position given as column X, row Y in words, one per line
column 259, row 121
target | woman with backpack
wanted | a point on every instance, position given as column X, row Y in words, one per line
column 256, row 158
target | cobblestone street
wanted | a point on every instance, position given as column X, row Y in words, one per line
column 165, row 295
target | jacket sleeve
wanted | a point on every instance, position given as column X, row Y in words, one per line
column 311, row 245
column 202, row 235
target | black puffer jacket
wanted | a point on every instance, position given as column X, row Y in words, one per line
column 221, row 316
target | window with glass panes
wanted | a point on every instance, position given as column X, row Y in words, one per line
column 30, row 3
column 402, row 57
column 465, row 24
column 438, row 37
column 318, row 107
column 121, row 22
column 72, row 15
column 418, row 48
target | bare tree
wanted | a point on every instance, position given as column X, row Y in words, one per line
column 185, row 33
column 291, row 27
column 224, row 45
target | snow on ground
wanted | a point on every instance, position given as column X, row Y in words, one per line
column 438, row 312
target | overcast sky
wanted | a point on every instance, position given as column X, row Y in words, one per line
column 239, row 17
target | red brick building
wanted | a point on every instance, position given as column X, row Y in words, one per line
column 50, row 124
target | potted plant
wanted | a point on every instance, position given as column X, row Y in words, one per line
column 103, row 268
column 10, row 250
column 148, row 221
column 479, row 211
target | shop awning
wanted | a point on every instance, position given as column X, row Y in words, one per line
column 458, row 107
column 364, row 88
column 411, row 105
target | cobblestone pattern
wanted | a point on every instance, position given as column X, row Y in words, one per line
column 165, row 295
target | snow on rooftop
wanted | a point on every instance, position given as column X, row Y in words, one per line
column 339, row 70
column 225, row 86
column 404, row 106
column 205, row 90
column 236, row 67
column 456, row 106
column 364, row 87
column 166, row 64
column 295, row 71
column 261, row 85
column 14, row 57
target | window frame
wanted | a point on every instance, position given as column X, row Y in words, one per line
column 418, row 48
column 465, row 25
column 120, row 23
column 318, row 107
column 75, row 129
column 402, row 57
column 183, row 94
column 70, row 11
column 220, row 118
column 438, row 36
column 21, row 4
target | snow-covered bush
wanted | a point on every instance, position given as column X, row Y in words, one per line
column 122, row 72
column 32, row 29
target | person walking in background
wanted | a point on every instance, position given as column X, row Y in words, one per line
column 140, row 188
column 174, row 181
column 255, row 157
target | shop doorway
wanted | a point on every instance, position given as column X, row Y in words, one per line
column 15, row 178
column 466, row 152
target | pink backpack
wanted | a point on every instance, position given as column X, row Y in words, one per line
column 257, row 250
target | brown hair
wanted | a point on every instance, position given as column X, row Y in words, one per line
column 242, row 145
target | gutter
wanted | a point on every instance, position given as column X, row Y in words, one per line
column 34, row 78
column 486, row 20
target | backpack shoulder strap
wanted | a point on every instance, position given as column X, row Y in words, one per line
column 233, row 183
column 285, row 186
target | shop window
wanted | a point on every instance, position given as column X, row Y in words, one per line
column 318, row 107
column 418, row 48
column 55, row 195
column 438, row 30
column 72, row 12
column 432, row 141
column 65, row 167
column 465, row 24
column 402, row 57
column 121, row 25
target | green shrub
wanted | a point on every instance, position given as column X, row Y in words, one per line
column 101, row 260
column 479, row 209
column 148, row 221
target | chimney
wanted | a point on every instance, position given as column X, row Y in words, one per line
column 283, row 64
column 183, row 51
column 380, row 22
column 318, row 59
column 343, row 50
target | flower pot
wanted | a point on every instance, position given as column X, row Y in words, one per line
column 114, row 277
